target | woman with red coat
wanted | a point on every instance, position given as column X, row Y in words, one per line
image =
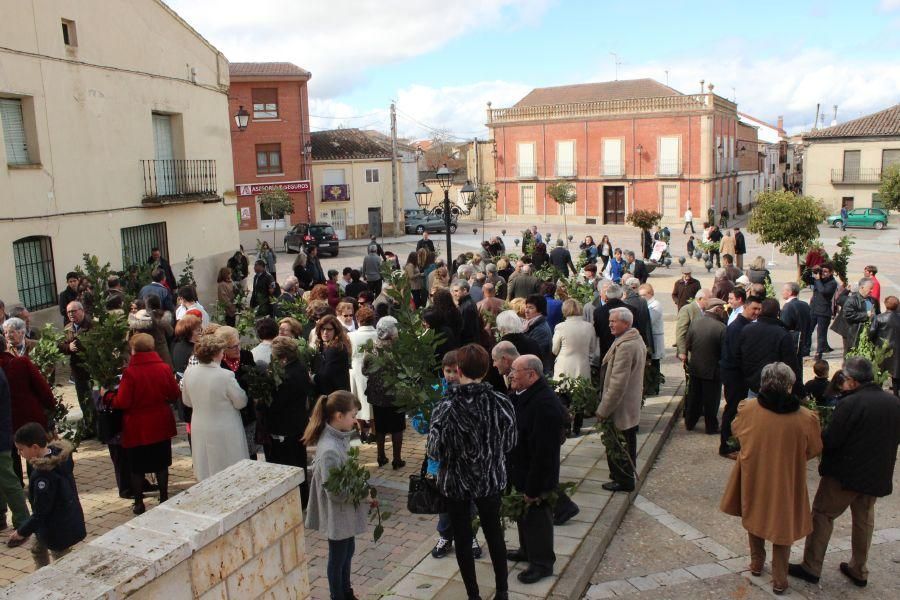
column 148, row 425
column 31, row 397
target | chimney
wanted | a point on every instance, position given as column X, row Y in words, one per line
column 701, row 85
column 780, row 123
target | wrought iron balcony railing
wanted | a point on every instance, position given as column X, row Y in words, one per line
column 176, row 178
column 869, row 175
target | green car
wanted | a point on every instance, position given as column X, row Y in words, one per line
column 861, row 217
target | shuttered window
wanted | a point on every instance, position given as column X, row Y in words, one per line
column 669, row 161
column 14, row 131
column 265, row 103
column 35, row 277
column 890, row 157
column 565, row 158
column 525, row 158
column 612, row 157
column 526, row 193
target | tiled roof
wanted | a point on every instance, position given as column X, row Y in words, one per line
column 885, row 122
column 590, row 92
column 266, row 69
column 345, row 144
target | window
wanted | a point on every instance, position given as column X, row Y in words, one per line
column 889, row 157
column 138, row 241
column 612, row 158
column 565, row 158
column 14, row 139
column 268, row 159
column 35, row 277
column 372, row 176
column 669, row 161
column 70, row 38
column 525, row 157
column 333, row 177
column 669, row 201
column 526, row 193
column 265, row 103
column 851, row 164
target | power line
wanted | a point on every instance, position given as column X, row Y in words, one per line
column 437, row 130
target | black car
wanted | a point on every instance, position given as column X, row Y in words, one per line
column 417, row 223
column 306, row 235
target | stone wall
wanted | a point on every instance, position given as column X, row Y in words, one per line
column 237, row 535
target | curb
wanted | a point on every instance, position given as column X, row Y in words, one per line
column 575, row 578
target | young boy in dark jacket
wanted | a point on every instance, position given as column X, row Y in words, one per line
column 57, row 520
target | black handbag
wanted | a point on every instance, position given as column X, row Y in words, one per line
column 423, row 497
column 109, row 419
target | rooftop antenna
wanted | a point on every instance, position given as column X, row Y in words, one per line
column 733, row 94
column 667, row 78
column 702, row 81
column 617, row 62
column 816, row 122
column 834, row 119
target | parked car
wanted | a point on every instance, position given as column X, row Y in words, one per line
column 422, row 222
column 312, row 234
column 862, row 217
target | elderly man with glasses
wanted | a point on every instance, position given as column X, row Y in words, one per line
column 16, row 333
column 534, row 463
column 78, row 324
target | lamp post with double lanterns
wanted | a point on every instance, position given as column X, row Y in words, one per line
column 446, row 209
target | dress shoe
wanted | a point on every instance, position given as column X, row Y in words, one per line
column 516, row 556
column 382, row 460
column 501, row 596
column 797, row 570
column 615, row 486
column 845, row 569
column 534, row 574
column 563, row 517
column 138, row 508
column 398, row 464
column 11, row 543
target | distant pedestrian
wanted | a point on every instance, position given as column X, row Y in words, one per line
column 688, row 221
column 740, row 247
column 845, row 214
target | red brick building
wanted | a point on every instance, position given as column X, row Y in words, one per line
column 274, row 149
column 625, row 145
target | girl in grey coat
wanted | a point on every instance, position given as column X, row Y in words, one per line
column 329, row 429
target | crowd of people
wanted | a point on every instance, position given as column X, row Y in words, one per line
column 507, row 331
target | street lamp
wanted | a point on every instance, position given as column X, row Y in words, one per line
column 242, row 119
column 446, row 209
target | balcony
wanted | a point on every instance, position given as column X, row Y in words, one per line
column 668, row 168
column 171, row 181
column 526, row 171
column 614, row 168
column 336, row 192
column 566, row 169
column 839, row 176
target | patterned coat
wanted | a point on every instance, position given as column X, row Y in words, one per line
column 472, row 430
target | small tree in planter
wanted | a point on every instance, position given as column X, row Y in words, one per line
column 275, row 202
column 563, row 192
column 645, row 220
column 788, row 221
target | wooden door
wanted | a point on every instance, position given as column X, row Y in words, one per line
column 614, row 205
column 375, row 221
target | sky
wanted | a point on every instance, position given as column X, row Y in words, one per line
column 442, row 61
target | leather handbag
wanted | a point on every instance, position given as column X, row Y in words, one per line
column 109, row 419
column 423, row 497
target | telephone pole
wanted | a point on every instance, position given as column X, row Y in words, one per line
column 394, row 168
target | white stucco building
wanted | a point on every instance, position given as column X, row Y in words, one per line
column 116, row 138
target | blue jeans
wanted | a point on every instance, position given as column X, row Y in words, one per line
column 340, row 555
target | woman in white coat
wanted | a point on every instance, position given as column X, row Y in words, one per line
column 217, row 435
column 365, row 333
column 572, row 343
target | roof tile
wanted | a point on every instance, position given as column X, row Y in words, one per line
column 345, row 144
column 266, row 69
column 885, row 122
column 590, row 92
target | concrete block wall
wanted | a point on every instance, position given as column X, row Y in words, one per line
column 236, row 535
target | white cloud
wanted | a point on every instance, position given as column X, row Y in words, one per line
column 889, row 5
column 789, row 85
column 340, row 41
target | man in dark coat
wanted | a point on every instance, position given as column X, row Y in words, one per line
column 314, row 266
column 730, row 370
column 858, row 458
column 534, row 463
column 715, row 236
column 561, row 259
column 859, row 307
column 523, row 285
column 259, row 297
column 641, row 311
column 425, row 243
column 157, row 288
column 824, row 286
column 69, row 294
column 613, row 299
column 704, row 347
column 158, row 262
column 685, row 288
column 740, row 247
column 796, row 316
column 471, row 320
column 886, row 328
column 764, row 342
column 637, row 267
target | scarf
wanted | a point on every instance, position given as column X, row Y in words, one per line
column 232, row 363
column 779, row 402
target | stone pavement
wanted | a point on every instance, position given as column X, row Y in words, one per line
column 675, row 543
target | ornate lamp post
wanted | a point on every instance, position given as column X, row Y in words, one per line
column 446, row 209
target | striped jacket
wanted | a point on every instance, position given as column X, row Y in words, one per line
column 472, row 430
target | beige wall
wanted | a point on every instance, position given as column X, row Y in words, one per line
column 363, row 195
column 824, row 155
column 91, row 109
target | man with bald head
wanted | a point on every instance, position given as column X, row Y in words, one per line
column 79, row 323
column 490, row 303
column 686, row 316
column 502, row 357
column 534, row 463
